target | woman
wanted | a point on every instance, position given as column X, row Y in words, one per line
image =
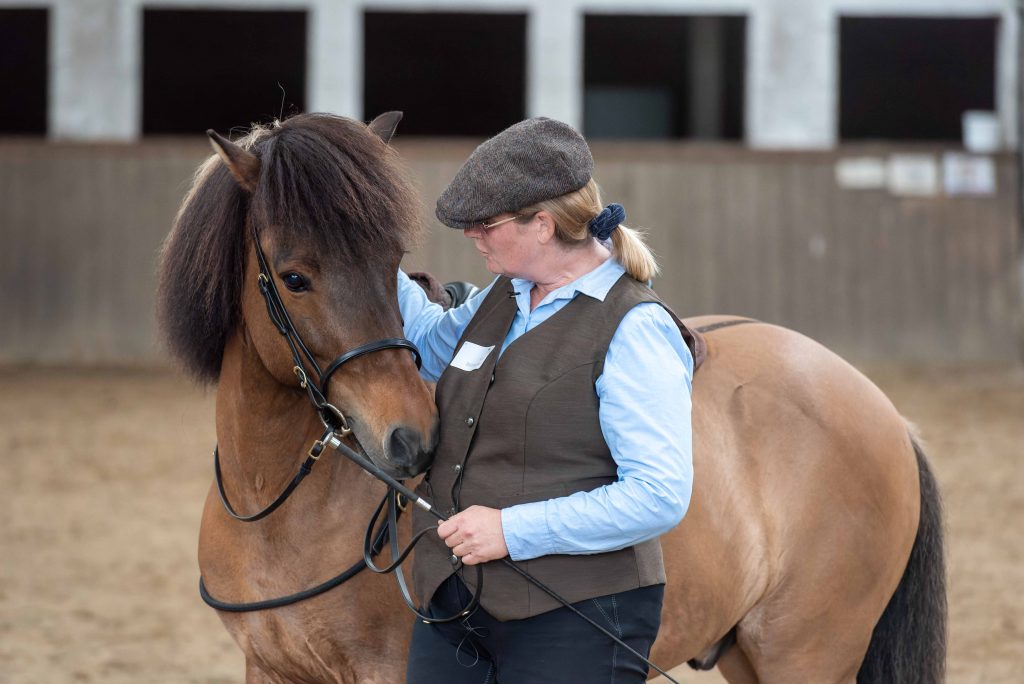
column 564, row 392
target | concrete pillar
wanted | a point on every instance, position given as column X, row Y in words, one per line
column 706, row 74
column 96, row 77
column 335, row 64
column 554, row 56
column 792, row 75
column 1008, row 62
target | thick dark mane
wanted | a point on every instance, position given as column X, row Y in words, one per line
column 326, row 183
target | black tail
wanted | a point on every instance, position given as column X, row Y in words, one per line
column 908, row 645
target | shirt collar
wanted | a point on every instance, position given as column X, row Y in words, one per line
column 596, row 284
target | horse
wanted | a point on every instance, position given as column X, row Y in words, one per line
column 812, row 548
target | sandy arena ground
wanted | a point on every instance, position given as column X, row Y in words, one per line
column 104, row 474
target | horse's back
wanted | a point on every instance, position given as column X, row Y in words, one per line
column 805, row 490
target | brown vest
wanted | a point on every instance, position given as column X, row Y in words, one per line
column 525, row 428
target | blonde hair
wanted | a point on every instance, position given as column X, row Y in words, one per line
column 574, row 211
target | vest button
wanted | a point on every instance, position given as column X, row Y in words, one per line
column 470, row 421
column 452, row 511
column 458, row 468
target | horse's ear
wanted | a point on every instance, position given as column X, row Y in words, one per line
column 244, row 165
column 385, row 124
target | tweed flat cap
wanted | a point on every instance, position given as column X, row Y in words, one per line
column 531, row 161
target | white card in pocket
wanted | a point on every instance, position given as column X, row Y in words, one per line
column 471, row 356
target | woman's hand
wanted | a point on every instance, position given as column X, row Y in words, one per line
column 475, row 535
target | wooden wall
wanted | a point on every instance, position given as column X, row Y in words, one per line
column 768, row 235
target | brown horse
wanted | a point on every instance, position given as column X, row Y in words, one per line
column 812, row 549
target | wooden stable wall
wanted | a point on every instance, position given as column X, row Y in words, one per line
column 768, row 235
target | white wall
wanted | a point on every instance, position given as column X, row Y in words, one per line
column 792, row 54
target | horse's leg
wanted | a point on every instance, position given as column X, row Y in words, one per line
column 736, row 667
column 792, row 646
column 254, row 675
column 839, row 560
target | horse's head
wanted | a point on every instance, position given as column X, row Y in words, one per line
column 333, row 213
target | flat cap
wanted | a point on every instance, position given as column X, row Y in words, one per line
column 528, row 162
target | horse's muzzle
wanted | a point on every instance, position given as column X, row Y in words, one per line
column 408, row 451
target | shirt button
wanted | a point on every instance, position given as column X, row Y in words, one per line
column 470, row 422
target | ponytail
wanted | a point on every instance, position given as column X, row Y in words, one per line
column 573, row 213
column 630, row 249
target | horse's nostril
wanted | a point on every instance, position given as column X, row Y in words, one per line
column 404, row 447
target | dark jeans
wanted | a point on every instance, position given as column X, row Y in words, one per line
column 557, row 646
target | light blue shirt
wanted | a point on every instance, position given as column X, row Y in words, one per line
column 644, row 395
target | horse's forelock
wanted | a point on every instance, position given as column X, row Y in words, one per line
column 330, row 184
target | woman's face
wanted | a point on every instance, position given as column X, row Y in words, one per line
column 507, row 246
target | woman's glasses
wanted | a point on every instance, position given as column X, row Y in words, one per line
column 488, row 226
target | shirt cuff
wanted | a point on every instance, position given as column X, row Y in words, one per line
column 526, row 530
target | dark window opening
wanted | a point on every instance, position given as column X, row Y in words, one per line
column 913, row 78
column 451, row 73
column 24, row 38
column 220, row 69
column 664, row 76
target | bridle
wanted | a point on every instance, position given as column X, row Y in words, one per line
column 336, row 428
column 317, row 391
column 333, row 419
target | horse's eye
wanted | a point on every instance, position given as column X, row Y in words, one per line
column 295, row 282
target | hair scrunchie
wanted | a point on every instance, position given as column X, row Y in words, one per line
column 602, row 225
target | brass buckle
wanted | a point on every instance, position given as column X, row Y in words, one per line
column 314, row 452
column 301, row 375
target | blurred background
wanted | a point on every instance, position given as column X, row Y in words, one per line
column 846, row 168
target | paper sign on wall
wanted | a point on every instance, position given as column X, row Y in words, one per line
column 968, row 174
column 913, row 174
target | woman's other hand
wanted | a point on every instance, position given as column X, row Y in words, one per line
column 475, row 535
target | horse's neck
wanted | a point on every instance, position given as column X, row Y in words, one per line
column 264, row 431
column 262, row 427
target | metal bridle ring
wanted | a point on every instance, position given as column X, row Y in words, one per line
column 339, row 423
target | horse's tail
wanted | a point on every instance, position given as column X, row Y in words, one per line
column 909, row 641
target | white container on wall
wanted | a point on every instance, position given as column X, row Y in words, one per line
column 982, row 134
